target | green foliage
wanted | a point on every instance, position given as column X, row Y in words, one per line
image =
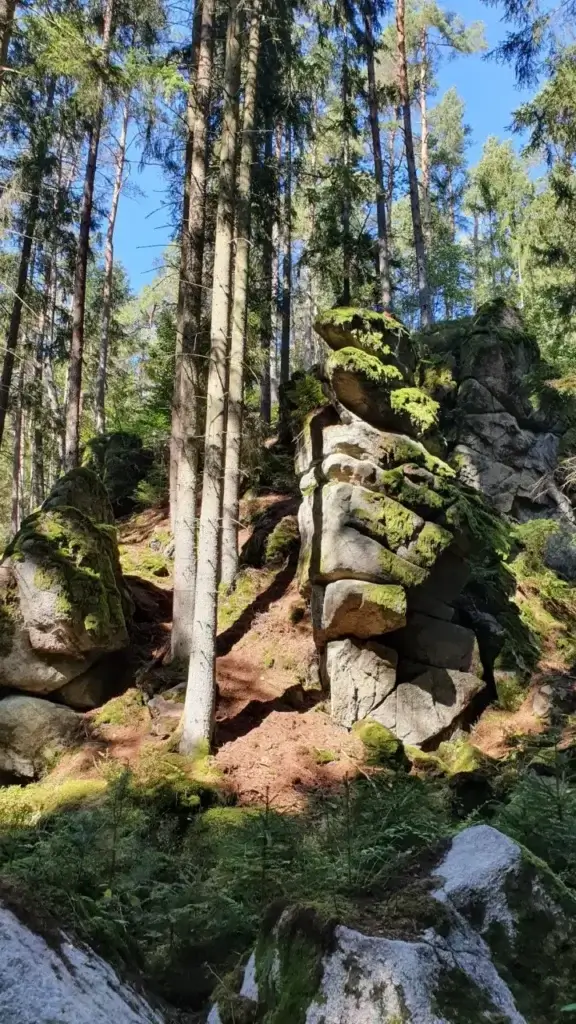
column 380, row 744
column 354, row 360
column 283, row 540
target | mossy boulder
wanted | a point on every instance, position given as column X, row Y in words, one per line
column 356, row 608
column 476, row 931
column 380, row 744
column 33, row 733
column 63, row 602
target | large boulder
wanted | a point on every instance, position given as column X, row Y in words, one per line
column 430, row 706
column 63, row 604
column 475, row 932
column 122, row 462
column 361, row 677
column 32, row 732
column 49, row 979
column 356, row 608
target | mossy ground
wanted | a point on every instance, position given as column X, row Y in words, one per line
column 123, row 710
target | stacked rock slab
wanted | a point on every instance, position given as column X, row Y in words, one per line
column 382, row 539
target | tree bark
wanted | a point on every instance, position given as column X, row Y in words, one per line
column 404, row 91
column 101, row 375
column 267, row 323
column 200, row 694
column 230, row 505
column 17, row 456
column 185, row 419
column 7, row 12
column 81, row 268
column 287, row 268
column 346, row 236
column 37, row 454
column 385, row 286
column 24, row 264
column 425, row 137
column 176, row 442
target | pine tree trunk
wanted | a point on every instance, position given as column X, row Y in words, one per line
column 287, row 268
column 385, row 288
column 37, row 454
column 24, row 264
column 267, row 322
column 176, row 442
column 425, row 138
column 17, row 456
column 346, row 236
column 230, row 504
column 200, row 694
column 186, row 421
column 101, row 375
column 81, row 269
column 7, row 11
column 404, row 91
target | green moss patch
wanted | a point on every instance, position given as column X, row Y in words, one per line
column 421, row 410
column 289, row 963
column 380, row 744
column 353, row 360
column 365, row 329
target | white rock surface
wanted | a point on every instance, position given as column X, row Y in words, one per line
column 61, row 984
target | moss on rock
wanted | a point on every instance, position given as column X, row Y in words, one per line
column 283, row 540
column 365, row 329
column 365, row 364
column 417, row 406
column 289, row 962
column 380, row 744
column 82, row 489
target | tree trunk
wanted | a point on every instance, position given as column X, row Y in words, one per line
column 37, row 455
column 425, row 138
column 200, row 695
column 385, row 287
column 101, row 375
column 404, row 91
column 176, row 443
column 7, row 11
column 230, row 505
column 346, row 237
column 287, row 268
column 81, row 268
column 185, row 421
column 267, row 322
column 17, row 457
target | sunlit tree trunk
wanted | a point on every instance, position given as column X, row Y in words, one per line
column 425, row 137
column 18, row 455
column 268, row 274
column 287, row 267
column 230, row 505
column 101, row 376
column 385, row 288
column 185, row 420
column 404, row 92
column 200, row 694
column 346, row 234
column 81, row 268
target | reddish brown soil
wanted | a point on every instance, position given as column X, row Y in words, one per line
column 495, row 729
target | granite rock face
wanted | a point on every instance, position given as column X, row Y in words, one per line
column 456, row 942
column 63, row 604
column 384, row 536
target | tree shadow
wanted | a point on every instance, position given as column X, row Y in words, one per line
column 278, row 587
column 257, row 711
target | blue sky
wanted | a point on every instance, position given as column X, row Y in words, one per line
column 487, row 88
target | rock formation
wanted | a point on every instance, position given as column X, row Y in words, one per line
column 63, row 605
column 455, row 941
column 49, row 979
column 388, row 529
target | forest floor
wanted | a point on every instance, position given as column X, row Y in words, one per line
column 275, row 742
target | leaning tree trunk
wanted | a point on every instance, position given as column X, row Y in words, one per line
column 374, row 116
column 185, row 420
column 200, row 694
column 102, row 372
column 230, row 505
column 81, row 269
column 404, row 92
column 7, row 11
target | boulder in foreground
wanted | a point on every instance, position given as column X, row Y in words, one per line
column 484, row 933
